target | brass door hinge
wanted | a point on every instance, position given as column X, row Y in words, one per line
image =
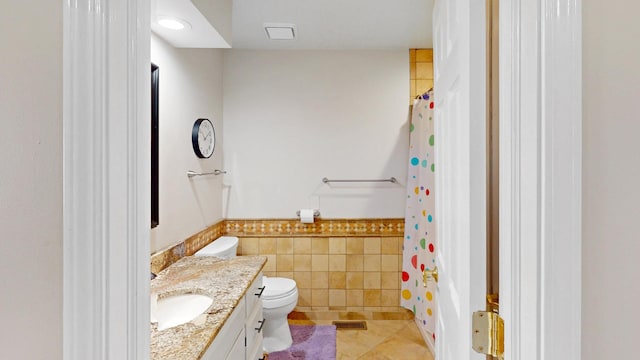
column 488, row 334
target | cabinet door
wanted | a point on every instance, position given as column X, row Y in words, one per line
column 224, row 341
column 238, row 350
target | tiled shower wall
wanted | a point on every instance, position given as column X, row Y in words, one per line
column 352, row 274
column 420, row 71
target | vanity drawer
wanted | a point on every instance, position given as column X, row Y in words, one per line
column 254, row 329
column 254, row 294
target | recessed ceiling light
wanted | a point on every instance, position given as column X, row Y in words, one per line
column 279, row 31
column 173, row 23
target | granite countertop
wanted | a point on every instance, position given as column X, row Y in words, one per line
column 226, row 281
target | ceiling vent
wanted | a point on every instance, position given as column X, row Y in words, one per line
column 278, row 31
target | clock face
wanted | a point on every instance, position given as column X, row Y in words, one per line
column 203, row 138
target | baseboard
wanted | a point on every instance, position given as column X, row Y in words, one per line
column 427, row 337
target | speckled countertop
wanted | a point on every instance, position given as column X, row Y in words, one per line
column 226, row 281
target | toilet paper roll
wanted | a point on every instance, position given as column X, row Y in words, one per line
column 306, row 216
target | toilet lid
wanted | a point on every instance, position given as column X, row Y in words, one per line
column 218, row 246
column 275, row 287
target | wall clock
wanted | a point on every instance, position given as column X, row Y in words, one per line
column 203, row 138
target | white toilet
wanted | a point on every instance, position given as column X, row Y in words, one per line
column 279, row 297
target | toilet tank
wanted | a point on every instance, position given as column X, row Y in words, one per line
column 224, row 247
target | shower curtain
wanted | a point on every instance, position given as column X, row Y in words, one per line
column 419, row 227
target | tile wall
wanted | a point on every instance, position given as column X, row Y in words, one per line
column 344, row 268
column 420, row 71
column 347, row 274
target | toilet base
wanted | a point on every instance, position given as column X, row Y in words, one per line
column 276, row 334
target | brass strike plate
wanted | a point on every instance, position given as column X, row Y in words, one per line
column 488, row 333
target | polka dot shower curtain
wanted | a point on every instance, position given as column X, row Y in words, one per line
column 419, row 226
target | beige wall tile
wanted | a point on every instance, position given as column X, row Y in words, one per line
column 355, row 262
column 390, row 280
column 284, row 263
column 319, row 262
column 371, row 280
column 423, row 86
column 285, row 245
column 320, row 245
column 412, row 55
column 389, row 298
column 424, row 55
column 271, row 263
column 424, row 70
column 355, row 297
column 337, row 280
column 372, row 245
column 319, row 298
column 337, row 297
column 301, row 262
column 303, row 279
column 337, row 262
column 337, row 245
column 355, row 245
column 389, row 263
column 371, row 298
column 285, row 274
column 371, row 262
column 304, row 297
column 412, row 91
column 268, row 246
column 400, row 242
column 250, row 246
column 412, row 71
column 388, row 246
column 355, row 280
column 302, row 245
column 320, row 280
column 400, row 262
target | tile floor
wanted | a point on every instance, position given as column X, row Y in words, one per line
column 383, row 340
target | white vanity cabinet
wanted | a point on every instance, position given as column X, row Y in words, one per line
column 241, row 336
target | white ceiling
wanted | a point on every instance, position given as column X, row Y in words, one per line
column 335, row 24
column 320, row 24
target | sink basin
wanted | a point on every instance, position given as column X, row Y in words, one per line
column 179, row 309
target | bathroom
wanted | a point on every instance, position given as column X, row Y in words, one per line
column 284, row 119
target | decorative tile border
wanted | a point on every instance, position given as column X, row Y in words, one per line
column 162, row 259
column 322, row 227
column 277, row 228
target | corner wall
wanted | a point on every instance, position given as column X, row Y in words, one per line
column 611, row 174
column 190, row 88
column 31, row 179
column 294, row 117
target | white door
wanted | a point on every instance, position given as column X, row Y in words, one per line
column 459, row 91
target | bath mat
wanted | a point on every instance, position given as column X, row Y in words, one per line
column 310, row 342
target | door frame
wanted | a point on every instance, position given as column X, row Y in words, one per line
column 106, row 197
column 106, row 254
column 540, row 178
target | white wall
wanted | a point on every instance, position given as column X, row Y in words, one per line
column 190, row 88
column 294, row 117
column 611, row 180
column 31, row 179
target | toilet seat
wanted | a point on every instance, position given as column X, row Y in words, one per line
column 278, row 292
